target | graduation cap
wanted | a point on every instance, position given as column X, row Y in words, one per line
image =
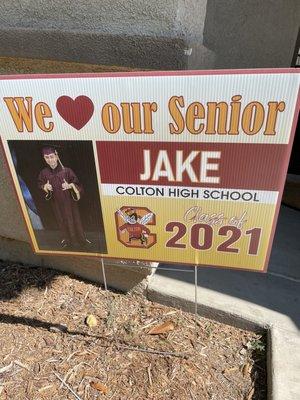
column 47, row 149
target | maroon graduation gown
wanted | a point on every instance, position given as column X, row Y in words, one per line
column 64, row 206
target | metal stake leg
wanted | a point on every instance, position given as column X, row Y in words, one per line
column 196, row 302
column 103, row 273
column 196, row 297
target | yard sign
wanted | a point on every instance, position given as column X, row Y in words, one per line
column 184, row 167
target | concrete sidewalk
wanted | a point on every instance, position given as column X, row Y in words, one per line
column 250, row 300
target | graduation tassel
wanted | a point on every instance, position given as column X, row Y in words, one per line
column 61, row 164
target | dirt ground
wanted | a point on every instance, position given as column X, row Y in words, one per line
column 44, row 337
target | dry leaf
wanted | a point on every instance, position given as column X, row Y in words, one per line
column 162, row 328
column 98, row 386
column 91, row 321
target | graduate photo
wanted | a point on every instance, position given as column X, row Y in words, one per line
column 58, row 181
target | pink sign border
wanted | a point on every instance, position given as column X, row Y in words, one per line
column 181, row 73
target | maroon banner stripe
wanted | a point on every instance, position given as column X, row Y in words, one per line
column 241, row 166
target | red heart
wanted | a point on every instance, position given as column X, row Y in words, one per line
column 76, row 112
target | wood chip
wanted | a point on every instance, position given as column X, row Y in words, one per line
column 229, row 370
column 21, row 365
column 166, row 327
column 250, row 394
column 246, row 369
column 6, row 368
column 58, row 328
column 149, row 375
column 43, row 389
column 100, row 387
column 67, row 386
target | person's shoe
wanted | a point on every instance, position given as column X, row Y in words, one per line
column 64, row 243
column 85, row 243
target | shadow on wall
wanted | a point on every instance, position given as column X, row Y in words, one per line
column 247, row 34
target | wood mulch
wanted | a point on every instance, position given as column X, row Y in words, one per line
column 45, row 339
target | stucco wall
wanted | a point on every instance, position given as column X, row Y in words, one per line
column 137, row 33
column 251, row 33
column 171, row 34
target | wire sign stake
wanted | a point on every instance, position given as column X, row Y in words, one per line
column 196, row 302
column 104, row 275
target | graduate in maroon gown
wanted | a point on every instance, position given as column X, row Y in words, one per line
column 63, row 190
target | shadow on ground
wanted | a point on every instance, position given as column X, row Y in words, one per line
column 13, row 279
